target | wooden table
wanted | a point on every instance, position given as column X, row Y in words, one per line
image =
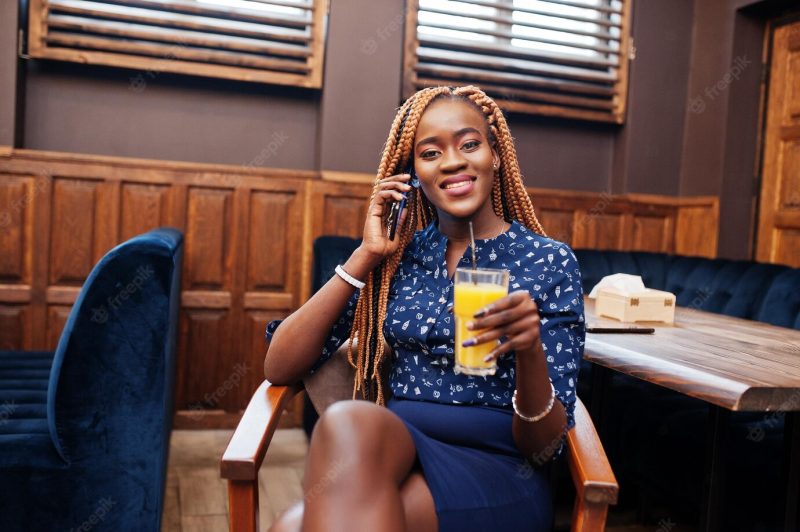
column 730, row 363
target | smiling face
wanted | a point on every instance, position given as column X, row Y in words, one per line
column 454, row 158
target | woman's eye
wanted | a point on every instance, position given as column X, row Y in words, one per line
column 427, row 154
column 471, row 144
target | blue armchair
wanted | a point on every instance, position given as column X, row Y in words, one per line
column 84, row 431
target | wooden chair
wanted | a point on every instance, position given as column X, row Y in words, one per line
column 595, row 484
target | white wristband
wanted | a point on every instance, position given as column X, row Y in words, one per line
column 349, row 279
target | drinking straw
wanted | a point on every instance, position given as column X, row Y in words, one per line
column 474, row 260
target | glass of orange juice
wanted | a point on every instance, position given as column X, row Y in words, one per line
column 474, row 289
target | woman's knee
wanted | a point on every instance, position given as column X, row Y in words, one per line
column 348, row 428
column 362, row 436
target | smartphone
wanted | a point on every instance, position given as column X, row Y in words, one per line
column 396, row 207
column 620, row 330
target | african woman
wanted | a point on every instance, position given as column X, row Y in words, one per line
column 432, row 449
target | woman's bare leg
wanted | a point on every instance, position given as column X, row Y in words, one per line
column 290, row 520
column 418, row 508
column 360, row 456
column 420, row 511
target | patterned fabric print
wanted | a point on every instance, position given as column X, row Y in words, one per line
column 422, row 332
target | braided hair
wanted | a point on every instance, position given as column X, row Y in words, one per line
column 510, row 201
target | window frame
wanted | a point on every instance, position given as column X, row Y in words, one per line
column 519, row 100
column 168, row 58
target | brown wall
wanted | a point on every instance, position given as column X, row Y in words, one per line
column 85, row 109
column 705, row 114
column 666, row 147
column 647, row 152
column 362, row 82
column 8, row 69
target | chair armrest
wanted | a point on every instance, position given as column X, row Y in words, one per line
column 594, row 480
column 246, row 450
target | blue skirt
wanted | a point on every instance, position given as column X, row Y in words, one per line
column 478, row 479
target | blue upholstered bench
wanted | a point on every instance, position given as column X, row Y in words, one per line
column 764, row 292
column 84, row 430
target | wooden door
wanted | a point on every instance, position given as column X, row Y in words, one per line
column 779, row 212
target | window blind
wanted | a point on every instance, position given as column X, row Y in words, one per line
column 270, row 41
column 554, row 57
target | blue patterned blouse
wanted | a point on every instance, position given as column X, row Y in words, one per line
column 421, row 331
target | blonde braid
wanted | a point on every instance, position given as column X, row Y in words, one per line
column 367, row 352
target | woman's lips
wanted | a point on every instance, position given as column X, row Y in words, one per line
column 456, row 187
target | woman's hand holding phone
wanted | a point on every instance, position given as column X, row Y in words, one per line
column 391, row 190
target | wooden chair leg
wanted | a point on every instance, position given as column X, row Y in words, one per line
column 243, row 505
column 589, row 517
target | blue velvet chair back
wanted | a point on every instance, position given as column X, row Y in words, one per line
column 330, row 251
column 109, row 399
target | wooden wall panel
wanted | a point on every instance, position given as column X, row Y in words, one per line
column 602, row 231
column 652, row 233
column 247, row 257
column 56, row 318
column 16, row 194
column 72, row 230
column 790, row 167
column 340, row 208
column 204, row 352
column 12, row 327
column 272, row 286
column 208, row 242
column 787, row 245
column 252, row 369
column 557, row 223
column 142, row 208
column 344, row 216
column 697, row 230
column 275, row 236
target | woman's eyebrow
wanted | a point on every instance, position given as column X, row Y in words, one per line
column 459, row 133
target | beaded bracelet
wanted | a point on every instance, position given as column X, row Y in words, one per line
column 349, row 279
column 540, row 415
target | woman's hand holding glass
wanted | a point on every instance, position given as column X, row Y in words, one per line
column 515, row 318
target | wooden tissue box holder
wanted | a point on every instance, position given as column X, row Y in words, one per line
column 649, row 305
